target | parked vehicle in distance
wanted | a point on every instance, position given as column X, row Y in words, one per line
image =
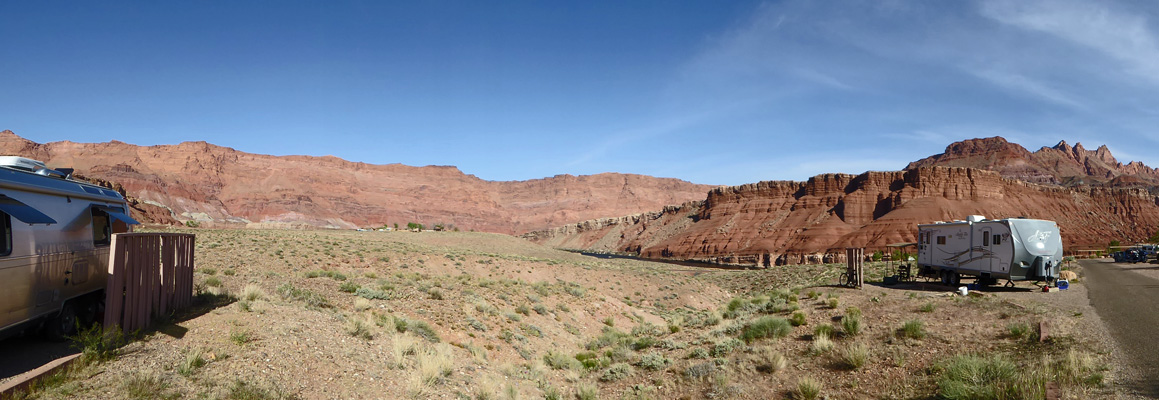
column 1014, row 249
column 55, row 234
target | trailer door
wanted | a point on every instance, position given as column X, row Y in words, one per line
column 924, row 250
column 986, row 259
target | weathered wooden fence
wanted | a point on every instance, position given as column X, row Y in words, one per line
column 149, row 274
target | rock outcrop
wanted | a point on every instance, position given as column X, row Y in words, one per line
column 783, row 222
column 1061, row 164
column 220, row 186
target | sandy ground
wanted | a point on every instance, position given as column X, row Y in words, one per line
column 500, row 308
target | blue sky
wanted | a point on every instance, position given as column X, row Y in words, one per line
column 710, row 92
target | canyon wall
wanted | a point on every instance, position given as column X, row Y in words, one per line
column 784, row 222
column 220, row 186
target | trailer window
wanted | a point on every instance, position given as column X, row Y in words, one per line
column 997, row 239
column 941, row 240
column 101, row 228
column 6, row 241
column 985, row 238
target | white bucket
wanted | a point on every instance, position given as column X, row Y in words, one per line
column 962, row 290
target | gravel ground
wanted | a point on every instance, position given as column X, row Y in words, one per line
column 1126, row 296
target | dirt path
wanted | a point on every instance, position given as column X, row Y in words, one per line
column 1129, row 304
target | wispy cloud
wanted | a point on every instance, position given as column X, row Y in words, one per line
column 1027, row 86
column 1106, row 27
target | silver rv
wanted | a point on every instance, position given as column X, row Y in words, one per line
column 54, row 247
column 1013, row 249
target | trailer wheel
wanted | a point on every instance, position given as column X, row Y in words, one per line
column 945, row 275
column 63, row 325
column 955, row 279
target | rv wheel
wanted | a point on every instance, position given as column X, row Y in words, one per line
column 945, row 277
column 62, row 325
column 955, row 279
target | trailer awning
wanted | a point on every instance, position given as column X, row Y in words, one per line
column 117, row 214
column 23, row 212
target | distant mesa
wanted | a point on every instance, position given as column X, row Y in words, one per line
column 220, row 186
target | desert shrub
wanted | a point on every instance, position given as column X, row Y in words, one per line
column 766, row 327
column 252, row 293
column 616, row 372
column 608, row 337
column 361, row 304
column 643, row 343
column 476, row 324
column 213, row 282
column 834, row 302
column 315, row 300
column 372, row 294
column 587, row 392
column 335, row 275
column 419, row 328
column 700, row 371
column 798, row 318
column 826, row 330
column 540, row 309
column 1017, row 330
column 821, row 344
column 807, row 389
column 724, row 347
column 523, row 309
column 561, row 361
column 851, row 323
column 853, row 356
column 928, row 307
column 193, row 361
column 770, row 361
column 591, row 360
column 96, row 345
column 359, row 329
column 913, row 329
column 435, row 294
column 208, row 271
column 348, row 287
column 970, row 377
column 698, row 352
column 653, row 361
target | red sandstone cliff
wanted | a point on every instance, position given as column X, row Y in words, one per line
column 1061, row 164
column 204, row 182
column 794, row 222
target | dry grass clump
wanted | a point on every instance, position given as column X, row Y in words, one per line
column 821, row 344
column 807, row 389
column 853, row 356
column 252, row 293
column 768, row 360
column 913, row 329
column 402, row 346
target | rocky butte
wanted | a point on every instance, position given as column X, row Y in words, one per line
column 220, row 186
column 1093, row 197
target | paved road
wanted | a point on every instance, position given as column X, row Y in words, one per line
column 1129, row 304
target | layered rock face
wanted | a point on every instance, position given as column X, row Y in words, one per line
column 218, row 185
column 783, row 222
column 1061, row 164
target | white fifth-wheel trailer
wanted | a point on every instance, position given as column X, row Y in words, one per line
column 55, row 234
column 1014, row 249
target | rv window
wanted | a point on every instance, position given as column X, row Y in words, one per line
column 941, row 240
column 6, row 241
column 101, row 228
column 985, row 238
column 997, row 239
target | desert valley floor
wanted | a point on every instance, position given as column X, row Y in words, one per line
column 457, row 315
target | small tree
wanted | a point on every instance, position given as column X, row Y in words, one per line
column 396, row 226
column 877, row 255
column 414, row 226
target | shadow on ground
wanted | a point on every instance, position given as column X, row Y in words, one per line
column 25, row 353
